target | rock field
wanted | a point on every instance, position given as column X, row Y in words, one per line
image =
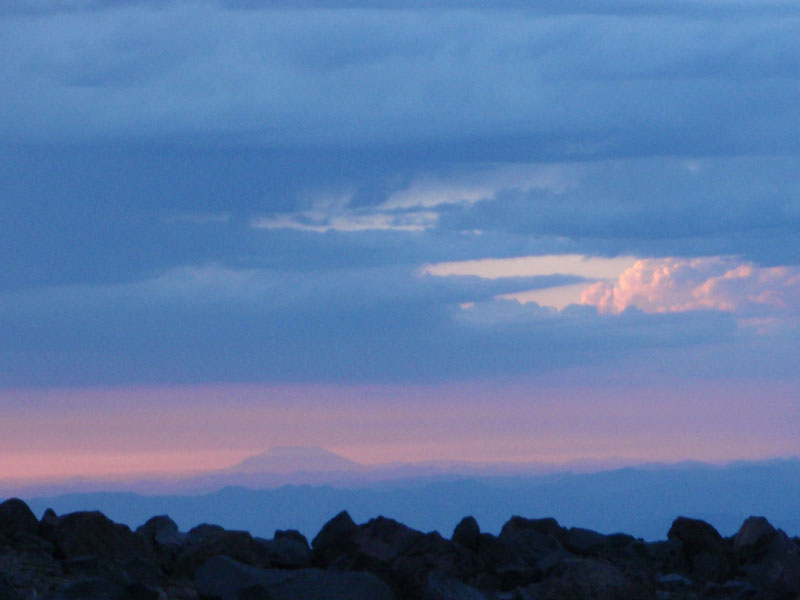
column 85, row 555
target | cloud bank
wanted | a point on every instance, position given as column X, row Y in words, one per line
column 249, row 191
column 568, row 80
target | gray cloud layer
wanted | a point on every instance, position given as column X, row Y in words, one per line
column 142, row 141
column 621, row 81
column 213, row 325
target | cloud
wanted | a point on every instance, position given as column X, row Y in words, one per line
column 109, row 214
column 229, row 190
column 547, row 7
column 338, row 213
column 645, row 206
column 713, row 283
column 623, row 80
column 377, row 324
column 656, row 207
column 413, row 206
column 480, row 183
column 322, row 222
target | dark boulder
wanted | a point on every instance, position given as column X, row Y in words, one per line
column 93, row 567
column 104, row 589
column 585, row 541
column 163, row 535
column 17, row 520
column 7, row 591
column 19, row 528
column 206, row 541
column 143, row 570
column 495, row 553
column 48, row 525
column 621, row 540
column 96, row 588
column 513, row 561
column 513, row 575
column 667, row 556
column 673, row 581
column 385, row 539
column 517, row 526
column 428, row 553
column 92, row 533
column 222, row 578
column 200, row 532
column 707, row 553
column 161, row 531
column 334, row 539
column 530, row 541
column 373, row 546
column 286, row 552
column 591, row 579
column 696, row 536
column 467, row 533
column 769, row 559
column 753, row 539
column 30, row 574
column 711, row 566
column 141, row 591
column 393, row 551
column 441, row 586
column 292, row 535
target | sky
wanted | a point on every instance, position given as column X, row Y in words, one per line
column 401, row 230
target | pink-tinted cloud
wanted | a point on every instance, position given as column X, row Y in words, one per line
column 660, row 285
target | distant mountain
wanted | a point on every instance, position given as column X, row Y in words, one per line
column 302, row 465
column 295, row 459
column 314, row 466
column 642, row 501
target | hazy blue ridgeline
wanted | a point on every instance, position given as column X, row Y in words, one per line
column 642, row 502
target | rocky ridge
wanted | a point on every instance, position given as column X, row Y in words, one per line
column 85, row 555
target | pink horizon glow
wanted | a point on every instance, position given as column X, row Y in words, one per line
column 117, row 432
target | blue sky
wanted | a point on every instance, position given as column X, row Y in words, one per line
column 250, row 192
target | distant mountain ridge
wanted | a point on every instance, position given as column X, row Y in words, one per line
column 309, row 465
column 641, row 501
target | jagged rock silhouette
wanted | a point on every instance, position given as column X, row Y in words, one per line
column 86, row 556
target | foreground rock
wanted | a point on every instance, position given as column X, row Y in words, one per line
column 86, row 556
column 93, row 534
column 224, row 578
column 707, row 555
column 768, row 559
column 17, row 520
